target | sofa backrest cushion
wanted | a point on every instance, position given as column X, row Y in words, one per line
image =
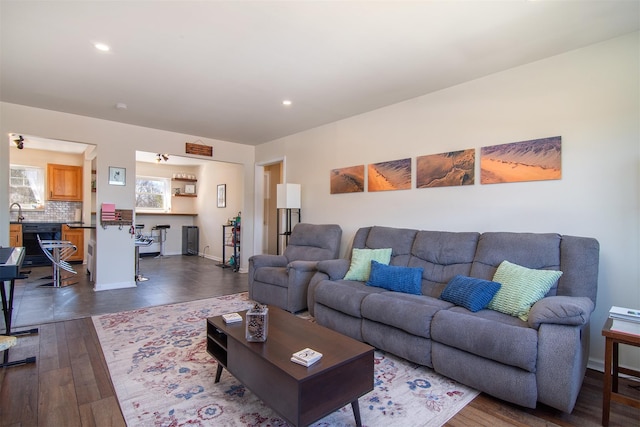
column 442, row 255
column 537, row 251
column 400, row 240
column 314, row 242
column 579, row 260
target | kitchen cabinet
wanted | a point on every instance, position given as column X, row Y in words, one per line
column 64, row 182
column 15, row 235
column 75, row 236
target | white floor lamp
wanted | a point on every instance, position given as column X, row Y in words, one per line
column 288, row 199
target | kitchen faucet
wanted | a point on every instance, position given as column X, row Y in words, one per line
column 20, row 217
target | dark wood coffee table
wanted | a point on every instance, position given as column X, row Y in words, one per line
column 299, row 394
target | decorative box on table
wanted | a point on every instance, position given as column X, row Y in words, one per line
column 257, row 323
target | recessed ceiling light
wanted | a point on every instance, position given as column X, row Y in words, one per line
column 102, row 47
column 286, row 102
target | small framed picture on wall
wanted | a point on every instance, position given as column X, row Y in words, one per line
column 222, row 195
column 117, row 176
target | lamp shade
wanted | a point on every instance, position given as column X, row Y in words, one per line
column 288, row 196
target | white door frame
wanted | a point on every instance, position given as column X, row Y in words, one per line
column 258, row 214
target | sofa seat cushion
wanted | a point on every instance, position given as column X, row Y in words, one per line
column 277, row 276
column 510, row 343
column 345, row 296
column 410, row 313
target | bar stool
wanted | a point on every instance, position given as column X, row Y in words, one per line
column 58, row 252
column 140, row 241
column 163, row 236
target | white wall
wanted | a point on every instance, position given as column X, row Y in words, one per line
column 590, row 97
column 116, row 146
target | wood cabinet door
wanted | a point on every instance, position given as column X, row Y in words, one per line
column 15, row 235
column 75, row 236
column 64, row 182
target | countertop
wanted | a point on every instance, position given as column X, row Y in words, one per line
column 80, row 225
column 71, row 224
column 45, row 222
column 161, row 214
column 165, row 214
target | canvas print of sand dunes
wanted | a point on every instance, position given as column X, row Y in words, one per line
column 446, row 169
column 393, row 175
column 534, row 160
column 347, row 180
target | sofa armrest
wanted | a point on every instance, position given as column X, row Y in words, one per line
column 265, row 260
column 334, row 268
column 561, row 310
column 301, row 266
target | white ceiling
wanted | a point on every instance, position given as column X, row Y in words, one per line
column 220, row 69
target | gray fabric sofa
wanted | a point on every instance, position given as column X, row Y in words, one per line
column 283, row 280
column 541, row 360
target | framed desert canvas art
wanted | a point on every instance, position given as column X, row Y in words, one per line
column 347, row 180
column 446, row 169
column 534, row 160
column 392, row 175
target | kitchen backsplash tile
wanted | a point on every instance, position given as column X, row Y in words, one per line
column 53, row 212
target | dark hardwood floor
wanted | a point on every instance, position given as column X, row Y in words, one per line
column 70, row 384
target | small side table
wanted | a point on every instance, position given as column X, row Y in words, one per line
column 612, row 340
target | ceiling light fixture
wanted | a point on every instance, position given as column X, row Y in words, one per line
column 286, row 102
column 19, row 141
column 102, row 47
column 161, row 157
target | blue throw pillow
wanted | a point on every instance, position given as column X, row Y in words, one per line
column 396, row 278
column 469, row 292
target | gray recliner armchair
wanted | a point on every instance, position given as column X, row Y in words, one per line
column 282, row 280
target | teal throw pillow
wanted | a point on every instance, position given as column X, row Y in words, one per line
column 469, row 292
column 521, row 288
column 361, row 262
column 396, row 278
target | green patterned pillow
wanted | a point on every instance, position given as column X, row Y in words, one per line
column 361, row 262
column 521, row 288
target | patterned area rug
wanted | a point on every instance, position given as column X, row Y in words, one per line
column 163, row 376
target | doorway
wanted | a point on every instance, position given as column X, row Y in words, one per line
column 272, row 177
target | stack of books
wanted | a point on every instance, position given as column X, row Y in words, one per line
column 306, row 357
column 625, row 320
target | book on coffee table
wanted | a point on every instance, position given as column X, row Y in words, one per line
column 306, row 357
column 231, row 318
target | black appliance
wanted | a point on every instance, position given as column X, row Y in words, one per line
column 30, row 231
column 190, row 245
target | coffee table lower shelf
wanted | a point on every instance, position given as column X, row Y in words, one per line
column 299, row 394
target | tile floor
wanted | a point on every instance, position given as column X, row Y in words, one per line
column 170, row 279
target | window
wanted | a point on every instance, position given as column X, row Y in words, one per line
column 26, row 187
column 152, row 194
